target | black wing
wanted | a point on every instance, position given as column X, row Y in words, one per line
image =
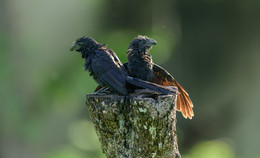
column 117, row 61
column 108, row 71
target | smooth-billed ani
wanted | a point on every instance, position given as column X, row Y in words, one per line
column 140, row 65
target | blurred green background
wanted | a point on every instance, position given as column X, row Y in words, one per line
column 212, row 47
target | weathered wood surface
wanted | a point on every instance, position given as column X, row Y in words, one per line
column 135, row 127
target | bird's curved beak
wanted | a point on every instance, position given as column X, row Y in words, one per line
column 74, row 46
column 151, row 42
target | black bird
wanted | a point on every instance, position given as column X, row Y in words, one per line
column 105, row 67
column 140, row 65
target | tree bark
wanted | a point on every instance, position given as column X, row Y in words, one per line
column 135, row 127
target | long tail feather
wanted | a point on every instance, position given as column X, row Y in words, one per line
column 151, row 86
column 184, row 103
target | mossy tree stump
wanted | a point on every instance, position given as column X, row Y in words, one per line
column 139, row 127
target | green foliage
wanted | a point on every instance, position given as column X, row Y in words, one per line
column 212, row 149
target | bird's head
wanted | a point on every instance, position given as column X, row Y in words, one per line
column 85, row 45
column 142, row 43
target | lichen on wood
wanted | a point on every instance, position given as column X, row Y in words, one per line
column 136, row 126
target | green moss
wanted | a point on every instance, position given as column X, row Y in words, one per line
column 143, row 110
column 152, row 131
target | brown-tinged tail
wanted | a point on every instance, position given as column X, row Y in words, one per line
column 184, row 103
